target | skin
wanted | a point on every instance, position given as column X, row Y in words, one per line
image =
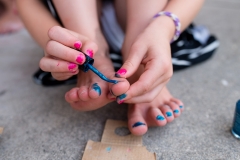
column 9, row 18
column 146, row 54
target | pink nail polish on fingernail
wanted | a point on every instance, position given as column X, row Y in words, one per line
column 79, row 58
column 90, row 53
column 78, row 44
column 71, row 66
column 121, row 71
column 120, row 102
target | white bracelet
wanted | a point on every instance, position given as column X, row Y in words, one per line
column 176, row 22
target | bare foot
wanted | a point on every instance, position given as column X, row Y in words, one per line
column 162, row 110
column 9, row 18
column 92, row 92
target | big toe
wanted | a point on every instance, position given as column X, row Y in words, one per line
column 136, row 123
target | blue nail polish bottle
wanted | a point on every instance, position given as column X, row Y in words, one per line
column 236, row 121
column 88, row 64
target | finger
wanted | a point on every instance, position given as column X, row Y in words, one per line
column 48, row 64
column 145, row 98
column 146, row 84
column 60, row 51
column 133, row 61
column 73, row 40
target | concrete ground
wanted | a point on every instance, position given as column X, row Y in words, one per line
column 39, row 124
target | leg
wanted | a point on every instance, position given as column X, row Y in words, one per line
column 164, row 108
column 91, row 92
column 9, row 19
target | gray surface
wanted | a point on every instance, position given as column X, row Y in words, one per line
column 39, row 124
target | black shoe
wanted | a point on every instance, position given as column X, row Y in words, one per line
column 194, row 45
column 46, row 79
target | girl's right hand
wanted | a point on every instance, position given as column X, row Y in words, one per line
column 61, row 52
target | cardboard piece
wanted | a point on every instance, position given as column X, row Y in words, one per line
column 1, row 130
column 115, row 147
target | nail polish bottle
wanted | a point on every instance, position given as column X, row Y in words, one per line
column 88, row 65
column 236, row 121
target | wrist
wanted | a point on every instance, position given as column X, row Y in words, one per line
column 166, row 26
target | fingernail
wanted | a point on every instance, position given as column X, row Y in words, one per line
column 90, row 53
column 176, row 111
column 120, row 101
column 161, row 118
column 138, row 124
column 80, row 58
column 169, row 114
column 181, row 106
column 120, row 72
column 71, row 66
column 96, row 87
column 78, row 44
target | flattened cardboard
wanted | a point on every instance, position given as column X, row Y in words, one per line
column 115, row 147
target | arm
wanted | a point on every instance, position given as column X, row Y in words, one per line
column 151, row 46
column 37, row 19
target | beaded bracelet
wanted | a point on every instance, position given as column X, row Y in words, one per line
column 176, row 22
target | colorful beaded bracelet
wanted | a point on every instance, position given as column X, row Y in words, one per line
column 176, row 22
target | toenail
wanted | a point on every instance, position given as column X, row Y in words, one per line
column 176, row 111
column 169, row 114
column 181, row 106
column 80, row 58
column 120, row 72
column 96, row 87
column 90, row 53
column 138, row 124
column 71, row 66
column 112, row 93
column 78, row 44
column 161, row 118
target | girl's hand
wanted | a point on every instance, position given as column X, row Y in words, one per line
column 61, row 57
column 151, row 49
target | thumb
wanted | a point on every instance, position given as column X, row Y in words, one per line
column 133, row 61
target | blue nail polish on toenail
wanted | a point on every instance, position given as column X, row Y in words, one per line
column 169, row 114
column 96, row 87
column 122, row 96
column 176, row 111
column 161, row 118
column 88, row 64
column 181, row 106
column 138, row 124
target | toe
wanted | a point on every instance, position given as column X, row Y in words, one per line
column 175, row 108
column 167, row 112
column 95, row 91
column 72, row 95
column 136, row 122
column 83, row 93
column 120, row 88
column 157, row 117
column 179, row 103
